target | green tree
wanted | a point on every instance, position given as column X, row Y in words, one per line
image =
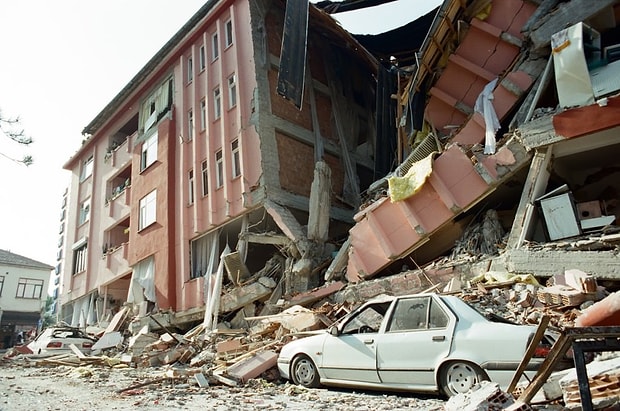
column 11, row 127
column 49, row 317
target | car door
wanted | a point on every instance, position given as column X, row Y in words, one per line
column 351, row 355
column 418, row 335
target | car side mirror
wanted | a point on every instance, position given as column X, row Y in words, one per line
column 333, row 330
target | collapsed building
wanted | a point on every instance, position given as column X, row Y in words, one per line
column 253, row 163
column 238, row 152
column 511, row 108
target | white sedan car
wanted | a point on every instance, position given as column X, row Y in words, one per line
column 57, row 340
column 422, row 343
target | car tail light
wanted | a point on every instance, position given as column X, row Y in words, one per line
column 87, row 345
column 541, row 351
column 54, row 344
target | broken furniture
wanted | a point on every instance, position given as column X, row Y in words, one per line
column 562, row 216
column 581, row 340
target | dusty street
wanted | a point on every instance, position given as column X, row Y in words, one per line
column 27, row 387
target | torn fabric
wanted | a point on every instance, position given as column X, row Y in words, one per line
column 484, row 106
column 404, row 187
column 142, row 283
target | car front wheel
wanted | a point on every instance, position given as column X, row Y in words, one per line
column 304, row 372
column 459, row 377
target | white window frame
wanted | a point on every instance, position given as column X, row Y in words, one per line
column 236, row 158
column 87, row 168
column 29, row 288
column 217, row 102
column 148, row 210
column 202, row 57
column 190, row 69
column 205, row 177
column 149, row 152
column 84, row 212
column 219, row 168
column 215, row 47
column 203, row 114
column 190, row 124
column 190, row 187
column 228, row 26
column 232, row 91
column 80, row 255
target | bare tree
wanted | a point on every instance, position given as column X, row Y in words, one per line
column 11, row 127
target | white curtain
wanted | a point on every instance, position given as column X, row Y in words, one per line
column 204, row 252
column 83, row 312
column 213, row 300
column 142, row 285
column 484, row 106
column 159, row 99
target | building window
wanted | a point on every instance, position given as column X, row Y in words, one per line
column 203, row 58
column 205, row 178
column 204, row 252
column 148, row 208
column 232, row 91
column 87, row 168
column 149, row 152
column 29, row 288
column 203, row 114
column 215, row 47
column 217, row 103
column 190, row 187
column 236, row 159
column 1, row 284
column 219, row 168
column 190, row 123
column 155, row 106
column 229, row 33
column 190, row 69
column 84, row 212
column 79, row 259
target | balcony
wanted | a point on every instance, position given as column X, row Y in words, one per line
column 119, row 154
column 118, row 202
column 115, row 262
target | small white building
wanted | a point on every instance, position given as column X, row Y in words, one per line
column 23, row 291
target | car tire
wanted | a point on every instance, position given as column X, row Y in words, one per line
column 304, row 372
column 458, row 377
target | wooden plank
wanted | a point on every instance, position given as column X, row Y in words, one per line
column 557, row 352
column 540, row 332
column 77, row 351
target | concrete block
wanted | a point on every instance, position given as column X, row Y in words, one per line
column 171, row 356
column 201, row 380
column 242, row 296
column 316, row 294
column 249, row 368
column 228, row 345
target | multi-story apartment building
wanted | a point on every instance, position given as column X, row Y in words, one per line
column 23, row 292
column 56, row 279
column 214, row 145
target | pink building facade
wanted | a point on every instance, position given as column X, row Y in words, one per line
column 181, row 164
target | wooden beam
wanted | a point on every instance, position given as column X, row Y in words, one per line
column 565, row 15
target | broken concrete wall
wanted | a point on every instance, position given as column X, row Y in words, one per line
column 293, row 139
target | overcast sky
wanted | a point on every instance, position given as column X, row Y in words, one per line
column 62, row 62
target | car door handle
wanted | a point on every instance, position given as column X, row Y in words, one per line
column 369, row 341
column 439, row 337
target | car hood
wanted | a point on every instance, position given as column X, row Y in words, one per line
column 309, row 343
